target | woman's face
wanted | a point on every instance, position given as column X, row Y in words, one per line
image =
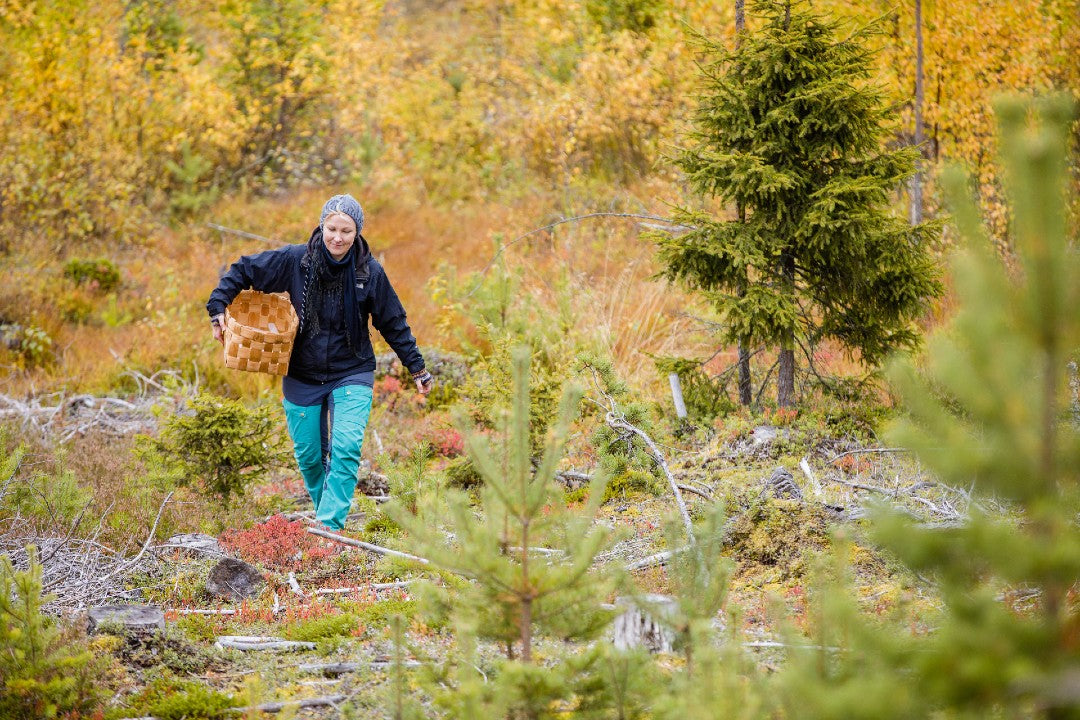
column 339, row 234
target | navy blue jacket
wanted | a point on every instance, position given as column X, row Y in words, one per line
column 325, row 356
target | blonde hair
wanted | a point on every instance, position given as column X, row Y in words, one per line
column 336, row 213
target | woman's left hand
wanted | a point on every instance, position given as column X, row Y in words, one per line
column 424, row 382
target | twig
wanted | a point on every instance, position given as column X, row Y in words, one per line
column 617, row 422
column 504, row 247
column 864, row 451
column 130, row 564
column 367, row 546
column 242, row 233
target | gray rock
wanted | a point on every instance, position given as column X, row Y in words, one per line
column 194, row 544
column 233, row 579
column 139, row 618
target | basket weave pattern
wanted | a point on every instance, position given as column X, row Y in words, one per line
column 259, row 332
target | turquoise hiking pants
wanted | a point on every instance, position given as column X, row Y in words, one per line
column 326, row 442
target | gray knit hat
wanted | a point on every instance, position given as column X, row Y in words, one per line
column 346, row 204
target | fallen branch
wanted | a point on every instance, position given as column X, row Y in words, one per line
column 617, row 422
column 659, row 558
column 367, row 546
column 134, row 561
column 351, row 667
column 273, row 707
column 695, row 491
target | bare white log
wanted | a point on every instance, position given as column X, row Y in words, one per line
column 256, row 642
column 367, row 546
column 362, row 588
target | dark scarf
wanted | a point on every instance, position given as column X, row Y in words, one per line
column 333, row 281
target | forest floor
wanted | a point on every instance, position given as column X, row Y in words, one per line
column 788, row 493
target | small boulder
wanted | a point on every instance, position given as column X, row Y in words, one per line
column 194, row 544
column 233, row 579
column 137, row 618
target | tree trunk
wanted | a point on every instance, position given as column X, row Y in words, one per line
column 785, row 380
column 746, row 389
column 915, row 214
column 746, row 386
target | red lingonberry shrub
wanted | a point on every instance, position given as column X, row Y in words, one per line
column 447, row 442
column 276, row 543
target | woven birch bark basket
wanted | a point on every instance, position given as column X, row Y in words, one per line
column 259, row 332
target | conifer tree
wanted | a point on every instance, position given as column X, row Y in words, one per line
column 990, row 413
column 791, row 130
column 529, row 563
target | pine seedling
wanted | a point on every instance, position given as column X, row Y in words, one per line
column 528, row 559
column 992, row 415
column 43, row 674
column 717, row 679
column 988, row 413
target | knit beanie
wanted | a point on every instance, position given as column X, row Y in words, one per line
column 347, row 205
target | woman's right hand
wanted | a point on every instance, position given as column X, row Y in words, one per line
column 216, row 323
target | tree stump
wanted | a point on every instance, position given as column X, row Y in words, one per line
column 137, row 618
column 636, row 627
column 233, row 579
column 781, row 484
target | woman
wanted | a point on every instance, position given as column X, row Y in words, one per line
column 335, row 285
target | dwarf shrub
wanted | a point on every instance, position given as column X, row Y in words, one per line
column 100, row 274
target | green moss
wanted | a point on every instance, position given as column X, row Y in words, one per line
column 322, row 628
column 778, row 533
column 382, row 525
column 195, row 702
column 461, row 473
column 630, row 482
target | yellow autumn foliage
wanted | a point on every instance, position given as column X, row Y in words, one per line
column 118, row 112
